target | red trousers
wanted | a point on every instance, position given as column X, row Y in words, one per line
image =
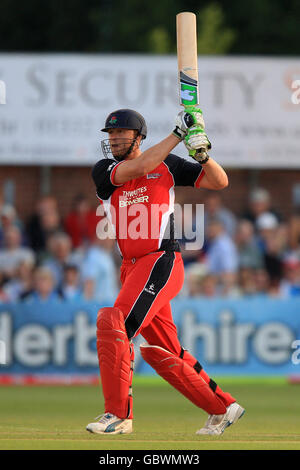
column 148, row 285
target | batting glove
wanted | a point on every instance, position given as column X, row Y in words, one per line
column 186, row 119
column 197, row 143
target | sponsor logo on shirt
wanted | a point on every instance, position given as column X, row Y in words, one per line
column 153, row 175
column 129, row 202
column 136, row 194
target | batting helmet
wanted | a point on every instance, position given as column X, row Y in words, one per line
column 126, row 119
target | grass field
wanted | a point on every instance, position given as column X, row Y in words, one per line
column 55, row 418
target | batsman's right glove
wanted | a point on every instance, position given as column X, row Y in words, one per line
column 197, row 143
column 186, row 119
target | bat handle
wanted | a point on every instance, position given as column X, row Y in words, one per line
column 200, row 155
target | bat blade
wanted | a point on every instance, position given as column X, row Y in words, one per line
column 187, row 58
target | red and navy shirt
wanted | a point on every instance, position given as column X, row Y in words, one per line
column 141, row 210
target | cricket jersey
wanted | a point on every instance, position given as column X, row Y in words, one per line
column 141, row 210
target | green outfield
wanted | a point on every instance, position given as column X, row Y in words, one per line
column 55, row 418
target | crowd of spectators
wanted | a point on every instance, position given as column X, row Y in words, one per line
column 256, row 253
column 48, row 257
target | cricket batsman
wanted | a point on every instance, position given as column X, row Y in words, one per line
column 152, row 273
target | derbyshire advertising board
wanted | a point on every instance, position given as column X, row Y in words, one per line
column 254, row 336
column 54, row 105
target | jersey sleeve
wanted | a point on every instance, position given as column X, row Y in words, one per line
column 103, row 176
column 185, row 173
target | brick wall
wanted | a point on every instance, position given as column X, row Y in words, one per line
column 66, row 182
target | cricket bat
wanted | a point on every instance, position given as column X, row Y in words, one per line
column 187, row 58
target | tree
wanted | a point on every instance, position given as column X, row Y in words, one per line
column 214, row 37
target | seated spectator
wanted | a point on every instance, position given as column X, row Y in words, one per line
column 294, row 231
column 49, row 224
column 213, row 208
column 22, row 284
column 97, row 264
column 9, row 218
column 250, row 255
column 262, row 281
column 229, row 287
column 59, row 254
column 209, row 286
column 221, row 255
column 290, row 284
column 81, row 222
column 88, row 291
column 185, row 231
column 273, row 241
column 4, row 298
column 274, row 288
column 247, row 282
column 258, row 203
column 266, row 226
column 13, row 253
column 43, row 223
column 43, row 287
column 194, row 275
column 70, row 288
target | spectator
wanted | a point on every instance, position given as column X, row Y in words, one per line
column 262, row 281
column 43, row 223
column 273, row 240
column 290, row 284
column 60, row 253
column 70, row 288
column 247, row 282
column 81, row 222
column 185, row 228
column 259, row 203
column 250, row 255
column 8, row 218
column 221, row 255
column 43, row 287
column 89, row 289
column 266, row 225
column 213, row 208
column 3, row 294
column 209, row 287
column 294, row 231
column 198, row 282
column 22, row 283
column 13, row 253
column 49, row 224
column 97, row 265
column 274, row 288
column 195, row 273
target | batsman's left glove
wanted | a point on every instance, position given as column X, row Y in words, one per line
column 186, row 119
column 197, row 143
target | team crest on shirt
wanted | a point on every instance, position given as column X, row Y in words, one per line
column 153, row 175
